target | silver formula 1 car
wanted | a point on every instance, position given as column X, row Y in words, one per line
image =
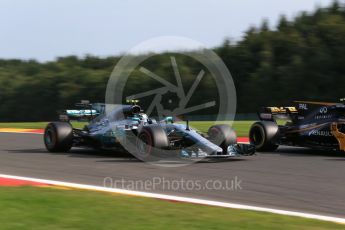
column 126, row 127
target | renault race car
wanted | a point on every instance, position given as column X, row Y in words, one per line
column 318, row 125
column 126, row 127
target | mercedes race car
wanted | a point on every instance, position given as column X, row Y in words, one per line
column 127, row 127
column 317, row 125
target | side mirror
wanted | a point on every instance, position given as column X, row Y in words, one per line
column 169, row 120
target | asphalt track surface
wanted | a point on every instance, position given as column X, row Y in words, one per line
column 293, row 179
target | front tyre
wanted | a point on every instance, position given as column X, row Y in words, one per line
column 223, row 136
column 263, row 135
column 58, row 137
column 151, row 139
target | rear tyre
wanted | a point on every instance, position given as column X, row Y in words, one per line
column 222, row 135
column 263, row 135
column 58, row 137
column 151, row 139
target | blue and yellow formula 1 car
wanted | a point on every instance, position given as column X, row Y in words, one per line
column 317, row 125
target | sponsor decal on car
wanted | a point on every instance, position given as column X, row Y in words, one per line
column 323, row 133
column 318, row 117
column 302, row 106
column 323, row 110
column 282, row 109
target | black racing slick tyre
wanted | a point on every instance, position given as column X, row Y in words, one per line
column 151, row 139
column 58, row 137
column 222, row 135
column 263, row 135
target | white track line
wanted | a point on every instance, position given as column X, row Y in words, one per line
column 179, row 198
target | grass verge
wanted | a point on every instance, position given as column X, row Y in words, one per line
column 50, row 208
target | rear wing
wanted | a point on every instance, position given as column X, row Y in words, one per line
column 273, row 113
column 87, row 112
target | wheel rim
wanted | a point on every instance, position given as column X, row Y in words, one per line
column 257, row 137
column 216, row 136
column 49, row 138
column 144, row 145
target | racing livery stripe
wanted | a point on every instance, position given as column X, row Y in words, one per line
column 309, row 128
